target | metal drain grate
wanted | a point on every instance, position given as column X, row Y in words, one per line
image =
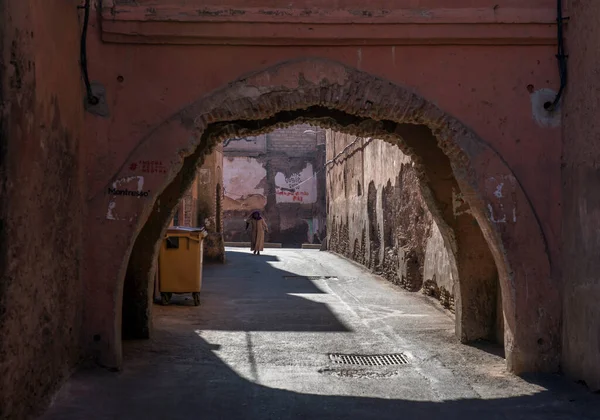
column 369, row 360
column 311, row 277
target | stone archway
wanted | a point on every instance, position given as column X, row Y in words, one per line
column 485, row 216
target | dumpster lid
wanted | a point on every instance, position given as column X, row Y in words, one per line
column 186, row 229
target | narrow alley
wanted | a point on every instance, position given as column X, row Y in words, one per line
column 258, row 348
column 424, row 175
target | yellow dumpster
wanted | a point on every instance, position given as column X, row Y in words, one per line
column 180, row 263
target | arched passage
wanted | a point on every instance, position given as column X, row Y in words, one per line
column 490, row 234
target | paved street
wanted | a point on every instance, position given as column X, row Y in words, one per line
column 258, row 348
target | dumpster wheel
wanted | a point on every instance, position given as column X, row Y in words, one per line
column 196, row 296
column 165, row 298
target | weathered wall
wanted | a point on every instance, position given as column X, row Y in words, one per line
column 438, row 280
column 187, row 210
column 245, row 186
column 41, row 201
column 201, row 205
column 459, row 76
column 581, row 196
column 377, row 216
column 419, row 62
column 244, row 179
column 189, row 206
column 280, row 174
column 210, row 204
column 158, row 95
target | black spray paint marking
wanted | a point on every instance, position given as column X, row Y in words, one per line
column 128, row 193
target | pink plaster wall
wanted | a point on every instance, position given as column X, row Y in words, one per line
column 242, row 176
column 581, row 196
column 490, row 66
column 484, row 87
column 41, row 188
column 488, row 63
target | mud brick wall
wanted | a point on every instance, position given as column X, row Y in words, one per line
column 377, row 216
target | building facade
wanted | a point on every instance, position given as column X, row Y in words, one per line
column 201, row 205
column 280, row 174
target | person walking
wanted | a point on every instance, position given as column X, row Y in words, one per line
column 257, row 234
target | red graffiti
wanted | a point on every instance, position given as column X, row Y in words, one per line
column 293, row 193
column 149, row 167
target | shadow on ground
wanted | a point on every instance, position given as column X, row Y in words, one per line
column 246, row 296
column 206, row 388
column 179, row 375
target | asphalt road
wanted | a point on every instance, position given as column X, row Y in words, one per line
column 258, row 348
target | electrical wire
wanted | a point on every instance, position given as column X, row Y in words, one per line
column 247, row 139
column 91, row 98
column 561, row 57
column 329, row 162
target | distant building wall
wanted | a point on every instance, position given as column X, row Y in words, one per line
column 202, row 205
column 280, row 174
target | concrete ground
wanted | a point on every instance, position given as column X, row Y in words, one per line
column 258, row 348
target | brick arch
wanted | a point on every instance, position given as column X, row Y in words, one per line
column 461, row 181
